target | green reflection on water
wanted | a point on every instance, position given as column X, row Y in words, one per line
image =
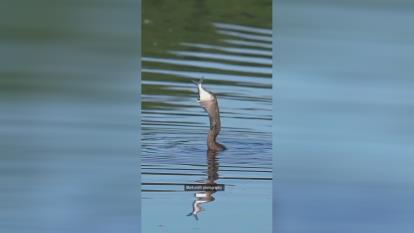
column 168, row 22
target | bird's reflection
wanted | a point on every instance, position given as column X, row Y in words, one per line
column 203, row 197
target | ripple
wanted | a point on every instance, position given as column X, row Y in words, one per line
column 238, row 68
column 246, row 36
column 233, row 50
column 225, row 57
column 243, row 28
column 210, row 65
column 248, row 43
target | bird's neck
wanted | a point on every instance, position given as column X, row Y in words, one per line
column 211, row 141
column 215, row 124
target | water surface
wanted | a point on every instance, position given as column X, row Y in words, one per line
column 236, row 62
column 344, row 110
column 68, row 117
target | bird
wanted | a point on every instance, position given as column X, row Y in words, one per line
column 209, row 102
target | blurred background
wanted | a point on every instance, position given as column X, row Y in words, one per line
column 343, row 122
column 229, row 43
column 69, row 124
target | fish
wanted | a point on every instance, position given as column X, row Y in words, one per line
column 201, row 198
column 203, row 94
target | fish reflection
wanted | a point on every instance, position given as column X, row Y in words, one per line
column 203, row 197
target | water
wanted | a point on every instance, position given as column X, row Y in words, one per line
column 68, row 117
column 236, row 62
column 68, row 122
column 344, row 110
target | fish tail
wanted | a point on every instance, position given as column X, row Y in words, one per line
column 200, row 81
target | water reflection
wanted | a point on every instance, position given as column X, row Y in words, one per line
column 344, row 131
column 212, row 175
column 68, row 116
column 237, row 65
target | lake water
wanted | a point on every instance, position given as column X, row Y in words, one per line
column 343, row 127
column 68, row 117
column 344, row 102
column 236, row 62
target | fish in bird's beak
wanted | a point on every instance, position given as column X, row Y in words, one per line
column 203, row 94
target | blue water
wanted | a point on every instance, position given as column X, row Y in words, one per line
column 68, row 117
column 344, row 110
column 174, row 129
